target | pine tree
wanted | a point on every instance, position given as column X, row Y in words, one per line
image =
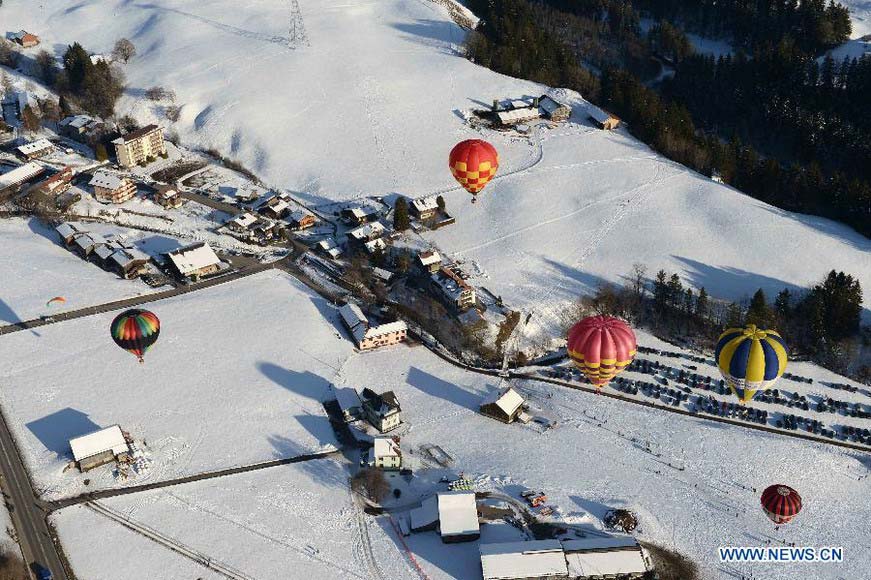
column 758, row 312
column 733, row 316
column 702, row 304
column 64, row 106
column 400, row 215
column 78, row 66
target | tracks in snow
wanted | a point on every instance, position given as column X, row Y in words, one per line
column 364, row 543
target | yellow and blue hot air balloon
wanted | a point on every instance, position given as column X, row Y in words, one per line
column 750, row 359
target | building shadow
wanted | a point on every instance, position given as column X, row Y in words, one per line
column 329, row 312
column 303, row 383
column 54, row 431
column 439, row 388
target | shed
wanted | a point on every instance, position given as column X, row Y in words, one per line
column 536, row 559
column 553, row 109
column 458, row 516
column 609, row 557
column 603, row 119
column 99, row 447
column 503, row 405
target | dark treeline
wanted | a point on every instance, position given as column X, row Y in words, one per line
column 776, row 125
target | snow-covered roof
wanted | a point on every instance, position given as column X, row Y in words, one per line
column 98, row 442
column 600, row 543
column 107, row 180
column 167, row 191
column 276, row 204
column 244, row 220
column 20, row 174
column 362, row 211
column 604, row 562
column 137, row 134
column 508, row 400
column 385, row 447
column 367, row 231
column 87, row 241
column 429, row 258
column 193, row 257
column 382, row 274
column 533, row 559
column 348, row 398
column 549, row 104
column 426, row 514
column 127, row 256
column 384, row 329
column 599, row 115
column 353, row 316
column 458, row 513
column 516, row 115
column 35, row 146
column 68, row 229
column 327, row 244
column 298, row 215
column 104, row 251
column 373, row 246
column 425, row 203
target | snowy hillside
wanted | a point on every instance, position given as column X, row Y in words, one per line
column 860, row 15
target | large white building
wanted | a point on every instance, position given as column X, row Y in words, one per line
column 111, row 187
column 458, row 516
column 385, row 453
column 140, row 146
column 368, row 337
column 538, row 559
column 99, row 447
column 194, row 261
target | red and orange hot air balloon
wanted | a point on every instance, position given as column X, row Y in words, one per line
column 473, row 164
column 601, row 346
column 780, row 503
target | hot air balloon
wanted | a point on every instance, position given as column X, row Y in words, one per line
column 750, row 359
column 56, row 300
column 780, row 503
column 135, row 331
column 601, row 346
column 473, row 163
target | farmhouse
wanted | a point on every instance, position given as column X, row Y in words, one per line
column 349, row 403
column 329, row 247
column 35, row 149
column 300, row 220
column 98, row 448
column 87, row 243
column 368, row 337
column 385, row 453
column 80, row 127
column 458, row 516
column 276, row 207
column 532, row 560
column 553, row 109
column 359, row 215
column 424, row 208
column 603, row 120
column 504, row 405
column 242, row 222
column 11, row 180
column 111, row 187
column 193, row 262
column 382, row 411
column 67, row 231
column 453, row 290
column 367, row 232
column 598, row 558
column 140, row 147
column 128, row 263
column 24, row 38
column 168, row 197
column 429, row 262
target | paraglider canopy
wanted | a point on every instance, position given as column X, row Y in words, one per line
column 473, row 163
column 135, row 331
column 56, row 300
column 750, row 359
column 601, row 346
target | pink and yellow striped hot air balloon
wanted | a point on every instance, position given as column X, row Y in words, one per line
column 601, row 346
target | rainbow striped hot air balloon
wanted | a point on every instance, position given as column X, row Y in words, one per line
column 135, row 331
column 780, row 503
column 473, row 164
column 750, row 359
column 601, row 346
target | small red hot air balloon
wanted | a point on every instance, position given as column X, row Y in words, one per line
column 473, row 164
column 780, row 503
column 601, row 346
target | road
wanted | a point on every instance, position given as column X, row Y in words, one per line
column 27, row 512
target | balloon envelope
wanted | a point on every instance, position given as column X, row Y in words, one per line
column 601, row 346
column 780, row 503
column 135, row 331
column 750, row 359
column 473, row 164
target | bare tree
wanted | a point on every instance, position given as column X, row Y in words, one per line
column 124, row 50
column 30, row 119
column 172, row 112
column 373, row 481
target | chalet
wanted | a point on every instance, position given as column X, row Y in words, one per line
column 81, row 127
column 111, row 187
column 265, row 230
column 129, row 263
column 359, row 215
column 67, row 231
column 300, row 220
column 375, row 246
column 369, row 337
column 367, row 232
column 458, row 516
column 381, row 410
column 603, row 120
column 103, row 252
column 384, row 275
column 168, row 197
column 12, row 180
column 140, row 146
column 242, row 222
column 193, row 262
column 385, row 453
column 596, row 558
column 35, row 149
column 504, row 405
column 349, row 403
column 424, row 208
column 56, row 184
column 24, row 38
column 716, row 176
column 276, row 207
column 553, row 109
column 329, row 247
column 453, row 289
column 87, row 243
column 429, row 262
column 530, row 560
column 98, row 448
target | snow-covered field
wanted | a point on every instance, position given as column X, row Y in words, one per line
column 36, row 268
column 213, row 392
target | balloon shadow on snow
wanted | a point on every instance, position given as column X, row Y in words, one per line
column 303, row 383
column 54, row 431
column 436, row 387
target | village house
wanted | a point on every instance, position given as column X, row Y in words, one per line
column 168, row 197
column 384, row 275
column 67, row 232
column 385, row 453
column 530, row 560
column 99, row 448
column 553, row 109
column 55, row 184
column 242, row 223
column 453, row 290
column 458, row 516
column 111, row 187
column 517, row 112
column 103, row 252
column 603, row 120
column 375, row 246
column 429, row 262
column 265, row 230
column 369, row 337
column 81, row 128
column 359, row 215
column 276, row 207
column 128, row 263
column 140, row 146
column 349, row 403
column 424, row 208
column 597, row 558
column 504, row 405
column 300, row 220
column 382, row 411
column 35, row 149
column 329, row 247
column 12, row 180
column 190, row 263
column 87, row 243
column 24, row 38
column 367, row 232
